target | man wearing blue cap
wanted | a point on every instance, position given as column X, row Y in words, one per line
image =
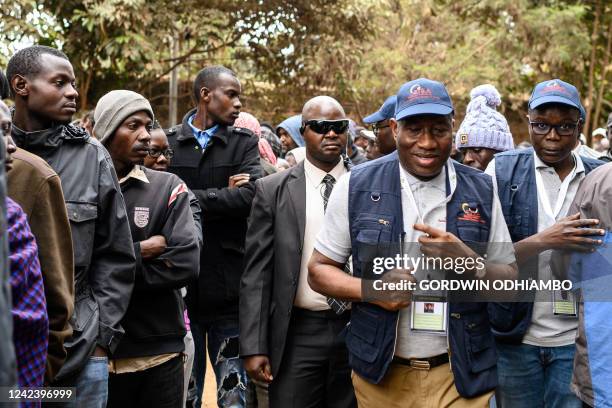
column 381, row 127
column 536, row 340
column 415, row 199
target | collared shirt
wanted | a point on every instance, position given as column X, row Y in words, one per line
column 202, row 136
column 305, row 297
column 30, row 321
column 422, row 201
column 546, row 329
column 136, row 173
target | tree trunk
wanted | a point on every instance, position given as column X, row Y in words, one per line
column 589, row 99
column 604, row 76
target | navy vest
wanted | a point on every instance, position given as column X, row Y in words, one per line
column 516, row 185
column 375, row 217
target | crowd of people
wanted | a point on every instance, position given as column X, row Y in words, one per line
column 136, row 251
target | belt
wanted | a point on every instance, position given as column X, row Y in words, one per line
column 423, row 363
column 321, row 314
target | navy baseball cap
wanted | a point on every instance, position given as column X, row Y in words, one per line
column 386, row 111
column 556, row 91
column 422, row 97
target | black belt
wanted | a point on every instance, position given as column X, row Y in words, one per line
column 322, row 314
column 423, row 363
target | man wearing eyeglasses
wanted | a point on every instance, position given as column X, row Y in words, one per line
column 380, row 126
column 536, row 187
column 147, row 367
column 289, row 333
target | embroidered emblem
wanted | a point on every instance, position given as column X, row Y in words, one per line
column 463, row 138
column 470, row 214
column 141, row 216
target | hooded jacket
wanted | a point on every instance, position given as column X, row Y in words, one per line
column 292, row 127
column 102, row 243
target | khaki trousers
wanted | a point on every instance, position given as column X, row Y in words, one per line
column 405, row 387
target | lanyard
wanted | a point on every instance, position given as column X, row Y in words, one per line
column 451, row 181
column 554, row 213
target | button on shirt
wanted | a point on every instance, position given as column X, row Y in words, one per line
column 202, row 136
column 546, row 329
column 428, row 206
column 305, row 297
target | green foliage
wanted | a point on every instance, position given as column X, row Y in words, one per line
column 359, row 51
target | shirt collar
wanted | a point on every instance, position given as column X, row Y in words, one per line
column 578, row 165
column 210, row 131
column 315, row 175
column 136, row 173
column 438, row 182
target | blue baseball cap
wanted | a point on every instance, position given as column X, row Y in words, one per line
column 386, row 111
column 556, row 91
column 422, row 97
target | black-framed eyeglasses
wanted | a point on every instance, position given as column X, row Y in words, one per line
column 565, row 129
column 323, row 127
column 376, row 128
column 168, row 153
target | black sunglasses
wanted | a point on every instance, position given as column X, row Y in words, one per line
column 168, row 153
column 323, row 127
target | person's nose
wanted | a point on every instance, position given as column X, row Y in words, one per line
column 237, row 104
column 426, row 140
column 71, row 92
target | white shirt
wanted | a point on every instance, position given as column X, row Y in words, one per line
column 305, row 297
column 428, row 206
column 546, row 329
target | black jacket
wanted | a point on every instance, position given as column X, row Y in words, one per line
column 103, row 250
column 224, row 211
column 154, row 321
column 272, row 263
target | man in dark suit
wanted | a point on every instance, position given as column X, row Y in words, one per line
column 289, row 333
column 219, row 163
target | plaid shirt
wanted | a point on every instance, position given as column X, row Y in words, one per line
column 30, row 320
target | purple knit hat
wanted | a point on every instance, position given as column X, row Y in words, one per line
column 483, row 125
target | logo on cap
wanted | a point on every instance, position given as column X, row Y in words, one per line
column 553, row 86
column 419, row 92
column 463, row 138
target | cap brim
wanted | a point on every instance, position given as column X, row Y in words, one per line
column 553, row 99
column 423, row 109
column 373, row 118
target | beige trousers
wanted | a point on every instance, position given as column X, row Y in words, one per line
column 406, row 387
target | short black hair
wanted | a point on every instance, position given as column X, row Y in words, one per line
column 4, row 86
column 26, row 62
column 207, row 77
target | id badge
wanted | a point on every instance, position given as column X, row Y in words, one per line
column 429, row 315
column 564, row 303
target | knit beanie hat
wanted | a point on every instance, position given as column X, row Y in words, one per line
column 483, row 125
column 115, row 107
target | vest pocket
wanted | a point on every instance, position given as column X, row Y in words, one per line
column 480, row 347
column 362, row 334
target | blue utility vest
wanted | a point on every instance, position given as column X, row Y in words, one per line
column 518, row 194
column 375, row 217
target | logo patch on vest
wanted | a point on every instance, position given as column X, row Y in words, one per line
column 141, row 216
column 470, row 214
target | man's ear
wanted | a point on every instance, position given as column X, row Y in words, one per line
column 19, row 85
column 205, row 94
column 394, row 125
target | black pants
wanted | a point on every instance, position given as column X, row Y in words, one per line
column 314, row 372
column 157, row 387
